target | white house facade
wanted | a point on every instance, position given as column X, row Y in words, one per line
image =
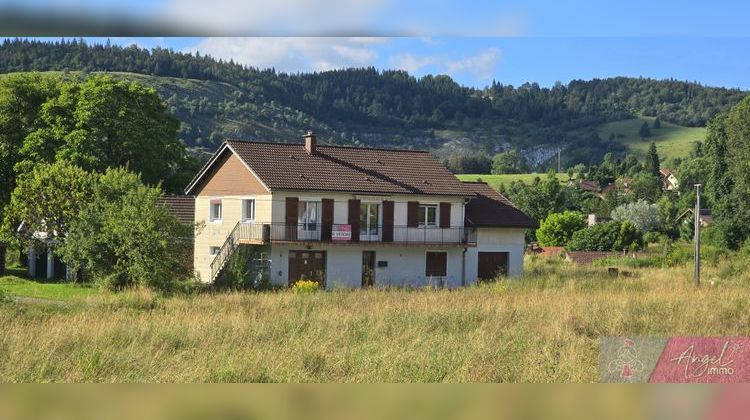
column 350, row 217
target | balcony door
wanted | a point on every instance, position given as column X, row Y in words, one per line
column 308, row 220
column 369, row 222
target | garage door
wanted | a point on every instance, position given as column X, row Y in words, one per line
column 492, row 265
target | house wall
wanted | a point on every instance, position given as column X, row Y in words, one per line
column 489, row 239
column 341, row 209
column 406, row 265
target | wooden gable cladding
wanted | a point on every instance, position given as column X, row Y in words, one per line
column 326, row 228
column 230, row 176
column 445, row 215
column 354, row 210
column 388, row 221
column 412, row 214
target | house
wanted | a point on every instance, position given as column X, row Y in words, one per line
column 590, row 186
column 588, row 257
column 705, row 216
column 350, row 217
column 547, row 251
column 668, row 180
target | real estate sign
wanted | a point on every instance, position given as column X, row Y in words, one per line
column 342, row 233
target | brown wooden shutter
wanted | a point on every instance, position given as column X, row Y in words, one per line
column 327, row 218
column 445, row 215
column 354, row 209
column 387, row 221
column 436, row 264
column 292, row 210
column 412, row 214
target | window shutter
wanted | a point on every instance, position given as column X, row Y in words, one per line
column 412, row 214
column 445, row 215
column 354, row 209
column 327, row 220
column 387, row 221
column 292, row 206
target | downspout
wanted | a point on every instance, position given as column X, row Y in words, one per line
column 463, row 267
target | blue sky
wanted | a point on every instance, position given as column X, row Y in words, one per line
column 476, row 61
column 473, row 41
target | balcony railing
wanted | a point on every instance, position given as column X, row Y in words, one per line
column 343, row 234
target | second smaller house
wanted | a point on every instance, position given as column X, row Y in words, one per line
column 669, row 181
column 705, row 216
column 591, row 186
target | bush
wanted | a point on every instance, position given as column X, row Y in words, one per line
column 607, row 237
column 557, row 228
column 654, row 237
column 305, row 287
column 124, row 237
column 644, row 216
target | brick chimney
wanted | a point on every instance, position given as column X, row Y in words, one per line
column 310, row 142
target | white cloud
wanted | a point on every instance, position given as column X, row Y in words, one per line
column 411, row 62
column 481, row 66
column 293, row 54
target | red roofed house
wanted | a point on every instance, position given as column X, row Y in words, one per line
column 350, row 217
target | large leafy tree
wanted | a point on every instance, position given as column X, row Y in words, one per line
column 644, row 216
column 124, row 237
column 728, row 149
column 21, row 97
column 47, row 199
column 103, row 123
column 558, row 228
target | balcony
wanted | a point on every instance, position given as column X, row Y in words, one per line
column 341, row 234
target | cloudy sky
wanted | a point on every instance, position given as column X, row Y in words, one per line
column 473, row 41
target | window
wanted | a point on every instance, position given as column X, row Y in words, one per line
column 428, row 214
column 248, row 210
column 368, row 218
column 216, row 211
column 436, row 264
column 214, row 250
column 309, row 215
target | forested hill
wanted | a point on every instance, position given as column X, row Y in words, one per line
column 215, row 99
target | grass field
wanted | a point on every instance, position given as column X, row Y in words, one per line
column 496, row 180
column 15, row 284
column 671, row 140
column 542, row 329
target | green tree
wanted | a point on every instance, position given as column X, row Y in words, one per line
column 652, row 165
column 644, row 216
column 557, row 228
column 124, row 237
column 644, row 131
column 611, row 236
column 657, row 123
column 47, row 199
column 103, row 123
column 21, row 97
column 510, row 162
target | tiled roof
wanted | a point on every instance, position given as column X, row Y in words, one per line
column 180, row 206
column 588, row 257
column 285, row 166
column 489, row 208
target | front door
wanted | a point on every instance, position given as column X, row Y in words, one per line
column 307, row 265
column 492, row 265
column 368, row 268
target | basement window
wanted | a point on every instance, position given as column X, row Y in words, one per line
column 436, row 264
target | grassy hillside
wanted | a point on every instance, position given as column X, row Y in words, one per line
column 671, row 140
column 496, row 180
column 545, row 328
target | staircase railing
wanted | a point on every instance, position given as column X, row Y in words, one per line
column 225, row 252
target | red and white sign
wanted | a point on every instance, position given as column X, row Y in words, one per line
column 341, row 233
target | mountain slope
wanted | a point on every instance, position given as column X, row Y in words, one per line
column 215, row 99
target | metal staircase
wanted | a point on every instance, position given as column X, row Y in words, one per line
column 220, row 260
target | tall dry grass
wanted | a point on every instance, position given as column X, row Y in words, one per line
column 545, row 328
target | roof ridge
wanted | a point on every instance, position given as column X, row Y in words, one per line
column 337, row 146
